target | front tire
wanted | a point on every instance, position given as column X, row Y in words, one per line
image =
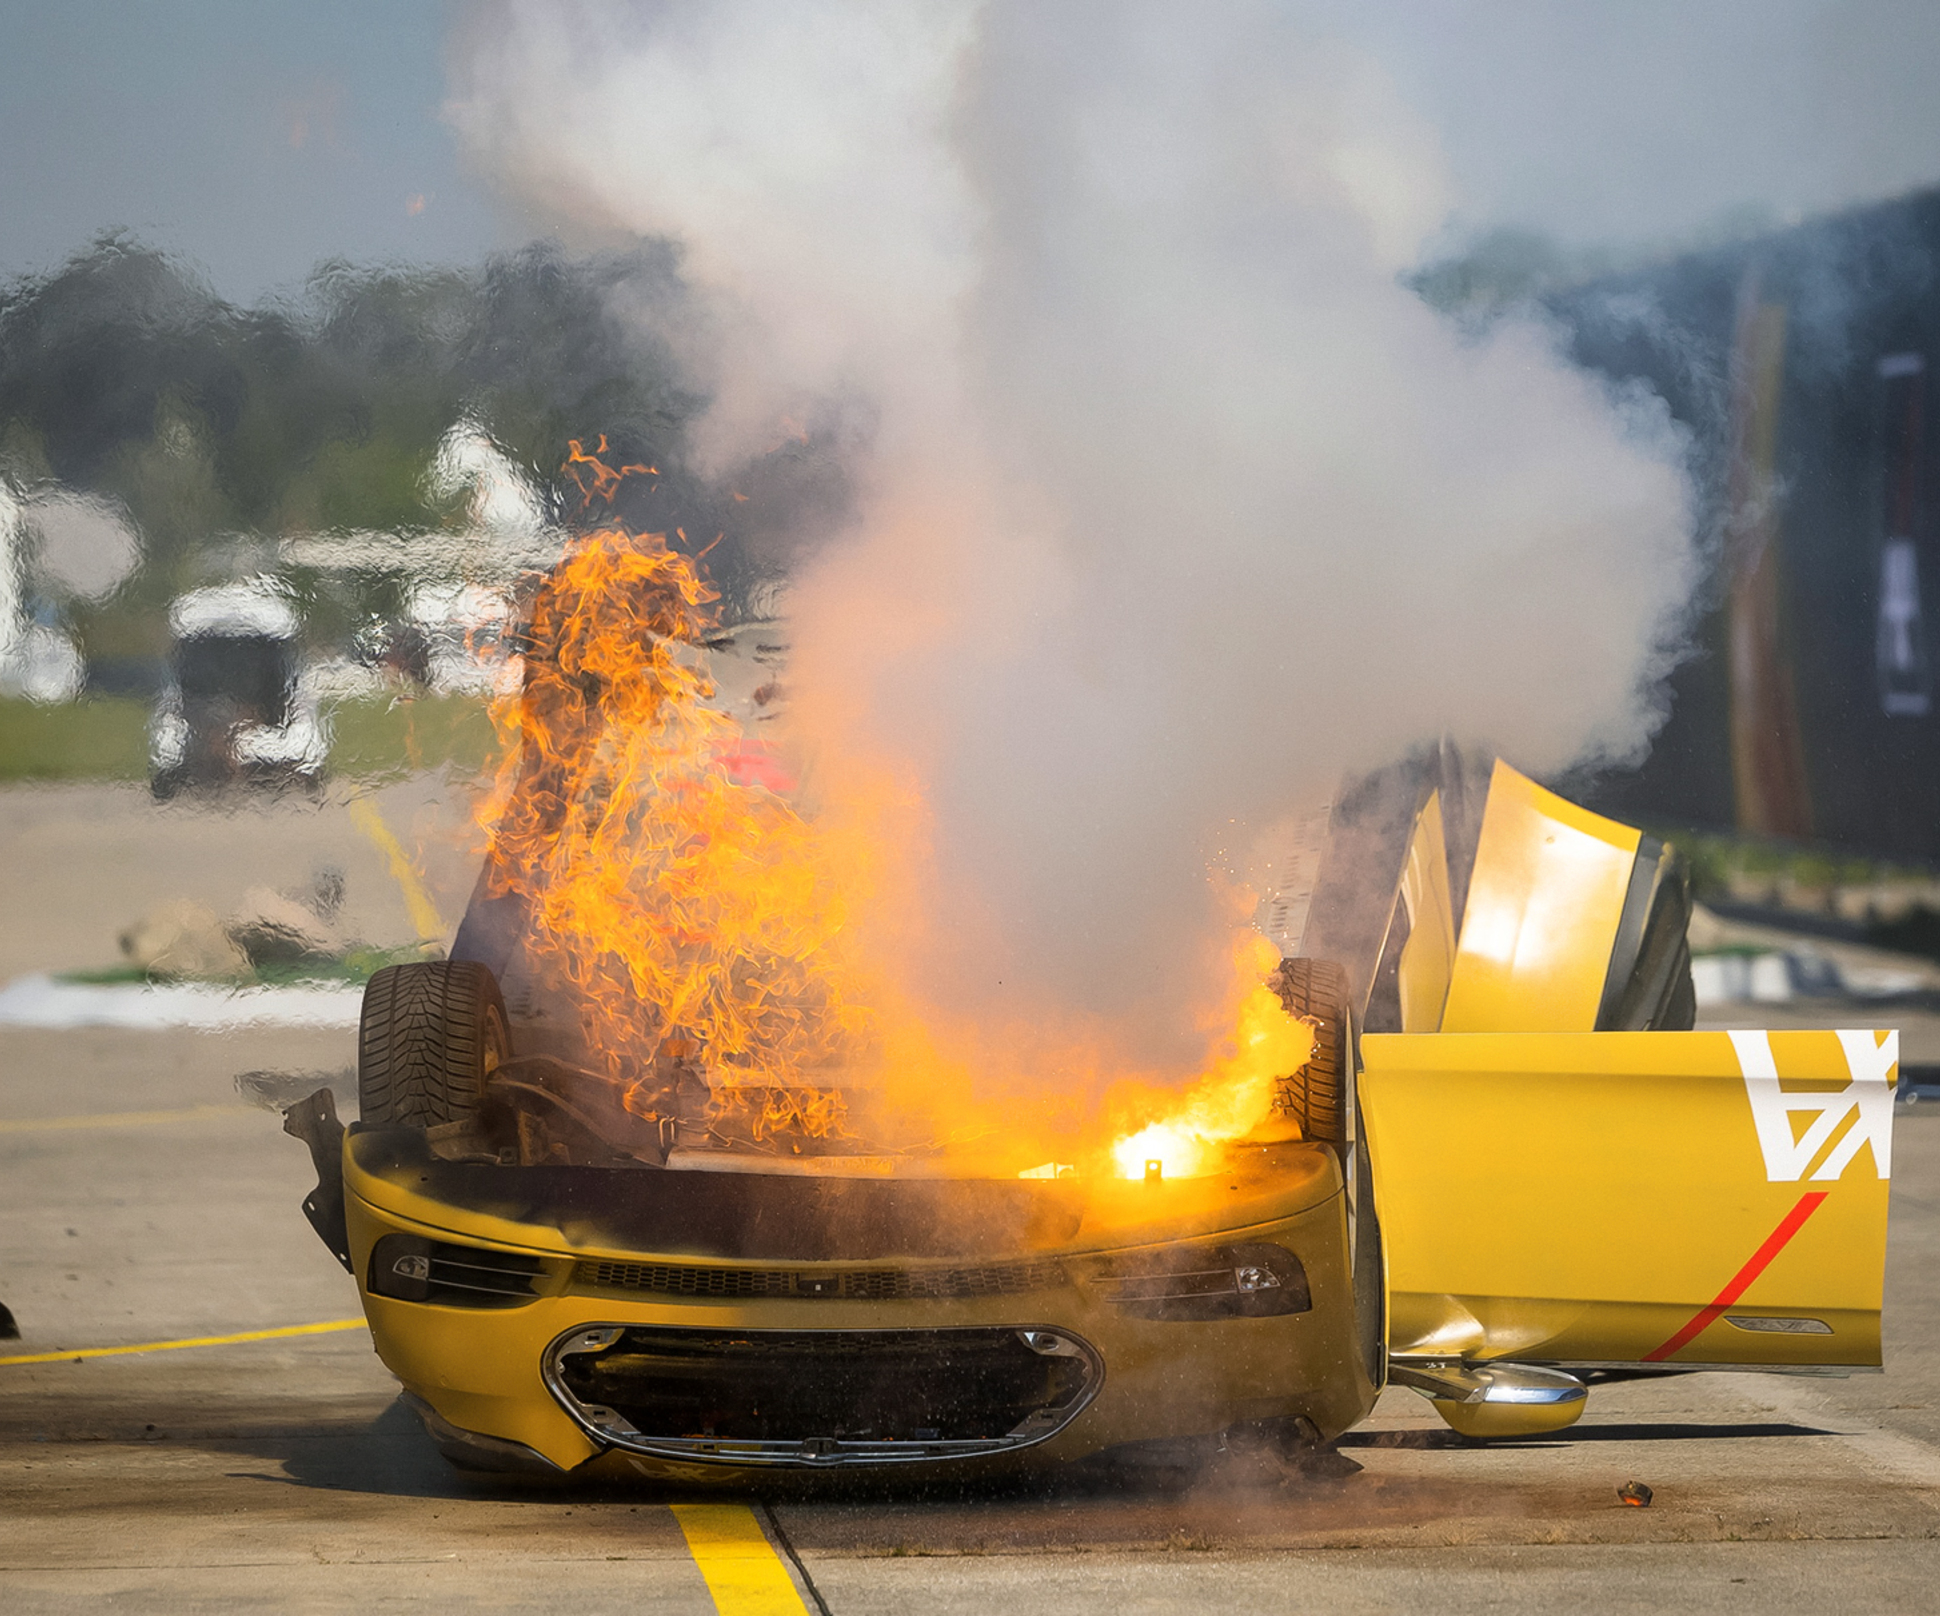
column 1317, row 991
column 430, row 1035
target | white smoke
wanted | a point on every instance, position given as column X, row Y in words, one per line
column 1657, row 120
column 799, row 154
column 1182, row 503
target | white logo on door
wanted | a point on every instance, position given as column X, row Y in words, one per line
column 1869, row 1095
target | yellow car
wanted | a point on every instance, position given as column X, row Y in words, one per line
column 1508, row 1164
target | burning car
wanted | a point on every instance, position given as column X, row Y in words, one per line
column 620, row 1205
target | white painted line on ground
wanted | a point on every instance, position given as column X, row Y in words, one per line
column 40, row 1001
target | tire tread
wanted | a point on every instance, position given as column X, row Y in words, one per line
column 1318, row 989
column 422, row 1041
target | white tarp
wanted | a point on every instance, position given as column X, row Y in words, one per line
column 41, row 1001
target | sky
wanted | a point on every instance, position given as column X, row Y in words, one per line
column 255, row 137
column 1635, row 122
column 259, row 137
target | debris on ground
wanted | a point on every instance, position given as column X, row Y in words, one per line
column 1635, row 1493
column 275, row 928
column 183, row 939
column 278, row 1091
column 1262, row 1453
column 273, row 935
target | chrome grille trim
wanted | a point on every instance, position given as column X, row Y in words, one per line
column 609, row 1427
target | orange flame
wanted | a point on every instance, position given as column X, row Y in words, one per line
column 1235, row 1095
column 689, row 907
column 703, row 924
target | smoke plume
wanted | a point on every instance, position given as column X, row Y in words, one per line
column 1180, row 504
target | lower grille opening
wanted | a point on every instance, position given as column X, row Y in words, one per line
column 823, row 1396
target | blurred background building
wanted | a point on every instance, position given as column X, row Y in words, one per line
column 1803, row 363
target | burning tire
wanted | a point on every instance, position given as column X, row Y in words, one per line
column 1317, row 990
column 429, row 1036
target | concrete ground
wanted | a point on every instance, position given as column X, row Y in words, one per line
column 141, row 1201
column 82, row 862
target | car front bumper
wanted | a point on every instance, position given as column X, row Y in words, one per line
column 496, row 1374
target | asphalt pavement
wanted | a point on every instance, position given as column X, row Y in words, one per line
column 142, row 1201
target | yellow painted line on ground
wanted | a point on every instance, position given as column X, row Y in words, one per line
column 744, row 1573
column 424, row 913
column 118, row 1119
column 193, row 1341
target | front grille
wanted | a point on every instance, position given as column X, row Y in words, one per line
column 841, row 1284
column 410, row 1268
column 819, row 1397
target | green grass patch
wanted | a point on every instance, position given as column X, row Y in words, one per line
column 107, row 738
column 1720, row 860
column 354, row 968
column 101, row 739
column 380, row 737
column 108, row 976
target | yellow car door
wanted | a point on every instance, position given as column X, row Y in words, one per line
column 1672, row 1198
column 1553, row 1192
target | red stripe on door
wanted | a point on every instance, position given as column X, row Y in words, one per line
column 1761, row 1259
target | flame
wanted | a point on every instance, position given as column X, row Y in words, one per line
column 706, row 927
column 694, row 913
column 1237, row 1093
